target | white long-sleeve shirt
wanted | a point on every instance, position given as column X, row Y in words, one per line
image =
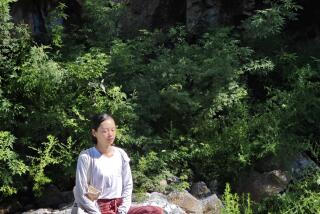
column 111, row 175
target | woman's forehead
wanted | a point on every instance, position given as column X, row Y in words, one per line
column 108, row 124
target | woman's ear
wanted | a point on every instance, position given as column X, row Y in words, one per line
column 93, row 132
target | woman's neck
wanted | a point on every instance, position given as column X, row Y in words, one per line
column 105, row 150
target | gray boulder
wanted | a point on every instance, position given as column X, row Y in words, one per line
column 211, row 205
column 160, row 200
column 272, row 175
column 51, row 198
column 66, row 210
column 200, row 190
column 190, row 204
column 261, row 185
column 186, row 201
column 300, row 164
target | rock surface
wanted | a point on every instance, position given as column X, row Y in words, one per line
column 56, row 197
column 50, row 211
column 200, row 190
column 271, row 176
column 185, row 203
column 195, row 14
column 190, row 204
column 211, row 205
column 261, row 185
column 158, row 199
column 301, row 163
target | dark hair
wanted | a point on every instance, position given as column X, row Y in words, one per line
column 96, row 120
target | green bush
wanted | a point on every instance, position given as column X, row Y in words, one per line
column 102, row 22
column 148, row 173
column 233, row 205
column 47, row 155
column 12, row 167
column 270, row 21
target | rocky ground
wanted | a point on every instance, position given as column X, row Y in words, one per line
column 269, row 177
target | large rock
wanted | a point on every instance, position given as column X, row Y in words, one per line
column 66, row 210
column 154, row 199
column 197, row 15
column 153, row 14
column 213, row 185
column 52, row 197
column 160, row 200
column 269, row 163
column 13, row 207
column 200, row 190
column 202, row 14
column 271, row 175
column 261, row 185
column 186, row 201
column 190, row 204
column 211, row 205
column 35, row 13
column 299, row 164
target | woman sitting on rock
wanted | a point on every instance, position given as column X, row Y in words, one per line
column 103, row 176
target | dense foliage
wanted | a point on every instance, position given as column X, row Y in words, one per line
column 186, row 111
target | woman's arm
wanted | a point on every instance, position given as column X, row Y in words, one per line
column 82, row 185
column 127, row 184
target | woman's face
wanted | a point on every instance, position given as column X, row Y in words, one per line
column 106, row 132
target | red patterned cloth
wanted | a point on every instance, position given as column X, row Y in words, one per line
column 110, row 206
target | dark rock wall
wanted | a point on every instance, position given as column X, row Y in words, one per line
column 152, row 14
column 34, row 13
column 197, row 15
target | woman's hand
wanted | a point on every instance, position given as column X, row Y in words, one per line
column 93, row 193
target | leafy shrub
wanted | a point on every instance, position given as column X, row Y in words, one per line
column 54, row 25
column 40, row 76
column 148, row 173
column 232, row 203
column 12, row 167
column 102, row 22
column 179, row 90
column 14, row 44
column 47, row 156
column 271, row 21
column 14, row 41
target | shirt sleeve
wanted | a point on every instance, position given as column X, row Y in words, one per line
column 127, row 184
column 82, row 185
